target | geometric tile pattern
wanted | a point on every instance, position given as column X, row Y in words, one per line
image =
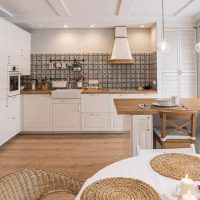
column 95, row 66
column 153, row 68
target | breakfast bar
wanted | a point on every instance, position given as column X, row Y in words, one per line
column 144, row 117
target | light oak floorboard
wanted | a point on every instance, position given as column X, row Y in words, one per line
column 76, row 155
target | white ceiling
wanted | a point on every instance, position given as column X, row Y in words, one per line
column 33, row 14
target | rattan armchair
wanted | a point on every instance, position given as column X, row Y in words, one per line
column 29, row 184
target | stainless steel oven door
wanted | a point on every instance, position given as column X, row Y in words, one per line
column 13, row 83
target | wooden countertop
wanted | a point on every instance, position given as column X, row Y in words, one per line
column 131, row 107
column 35, row 92
column 116, row 91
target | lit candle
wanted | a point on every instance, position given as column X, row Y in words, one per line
column 186, row 184
column 188, row 196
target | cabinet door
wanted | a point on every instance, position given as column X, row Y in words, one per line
column 170, row 84
column 25, row 49
column 120, row 96
column 120, row 122
column 3, row 38
column 4, row 136
column 66, row 116
column 188, row 85
column 171, row 58
column 37, row 113
column 13, row 48
column 95, row 103
column 95, row 121
column 143, row 131
column 187, row 51
column 3, row 77
column 147, row 96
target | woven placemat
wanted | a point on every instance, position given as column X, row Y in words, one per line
column 119, row 189
column 177, row 165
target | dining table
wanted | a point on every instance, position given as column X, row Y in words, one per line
column 137, row 167
column 132, row 107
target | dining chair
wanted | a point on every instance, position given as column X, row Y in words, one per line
column 178, row 129
column 32, row 184
column 141, row 152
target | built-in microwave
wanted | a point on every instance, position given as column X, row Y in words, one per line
column 13, row 80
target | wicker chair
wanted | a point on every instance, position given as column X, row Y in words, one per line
column 30, row 184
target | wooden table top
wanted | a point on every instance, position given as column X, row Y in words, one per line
column 131, row 107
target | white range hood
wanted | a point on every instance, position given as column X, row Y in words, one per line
column 121, row 53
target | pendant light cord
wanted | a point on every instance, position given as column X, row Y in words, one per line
column 163, row 23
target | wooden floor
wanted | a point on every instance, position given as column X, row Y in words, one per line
column 76, row 155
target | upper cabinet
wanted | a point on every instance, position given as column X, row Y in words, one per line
column 179, row 67
column 15, row 44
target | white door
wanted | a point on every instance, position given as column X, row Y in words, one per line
column 13, row 48
column 37, row 113
column 3, row 77
column 3, row 38
column 188, row 85
column 95, row 103
column 95, row 121
column 187, row 51
column 170, row 84
column 171, row 58
column 143, row 131
column 66, row 116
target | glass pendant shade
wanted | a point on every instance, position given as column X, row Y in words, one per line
column 164, row 46
column 197, row 47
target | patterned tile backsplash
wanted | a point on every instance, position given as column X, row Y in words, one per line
column 92, row 67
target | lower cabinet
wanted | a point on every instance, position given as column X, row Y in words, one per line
column 9, row 118
column 37, row 112
column 143, row 131
column 95, row 121
column 120, row 122
column 66, row 115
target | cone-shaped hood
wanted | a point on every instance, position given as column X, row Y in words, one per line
column 121, row 53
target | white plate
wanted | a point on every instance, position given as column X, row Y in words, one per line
column 169, row 105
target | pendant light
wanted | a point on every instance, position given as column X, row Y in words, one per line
column 197, row 47
column 163, row 45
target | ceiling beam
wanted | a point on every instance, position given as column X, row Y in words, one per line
column 183, row 7
column 59, row 7
column 125, row 8
column 5, row 13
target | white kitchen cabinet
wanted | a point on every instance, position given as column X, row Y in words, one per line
column 171, row 85
column 147, row 96
column 12, row 42
column 37, row 112
column 171, row 58
column 66, row 115
column 3, row 77
column 119, row 122
column 25, row 52
column 3, row 37
column 188, row 80
column 179, row 65
column 95, row 103
column 95, row 121
column 142, row 131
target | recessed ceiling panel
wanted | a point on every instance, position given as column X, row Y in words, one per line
column 153, row 7
column 86, row 8
column 27, row 7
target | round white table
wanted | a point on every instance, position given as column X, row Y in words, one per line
column 138, row 168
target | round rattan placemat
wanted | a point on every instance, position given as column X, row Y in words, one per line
column 177, row 165
column 119, row 189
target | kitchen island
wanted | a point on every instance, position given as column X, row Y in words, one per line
column 142, row 119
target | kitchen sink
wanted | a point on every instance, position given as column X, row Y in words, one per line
column 66, row 94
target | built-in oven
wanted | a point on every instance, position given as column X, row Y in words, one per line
column 13, row 80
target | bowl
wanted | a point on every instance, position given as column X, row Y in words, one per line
column 164, row 102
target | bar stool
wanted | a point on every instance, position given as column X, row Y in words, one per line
column 178, row 129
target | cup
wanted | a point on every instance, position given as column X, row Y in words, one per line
column 175, row 100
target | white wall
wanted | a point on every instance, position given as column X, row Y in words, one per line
column 86, row 40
